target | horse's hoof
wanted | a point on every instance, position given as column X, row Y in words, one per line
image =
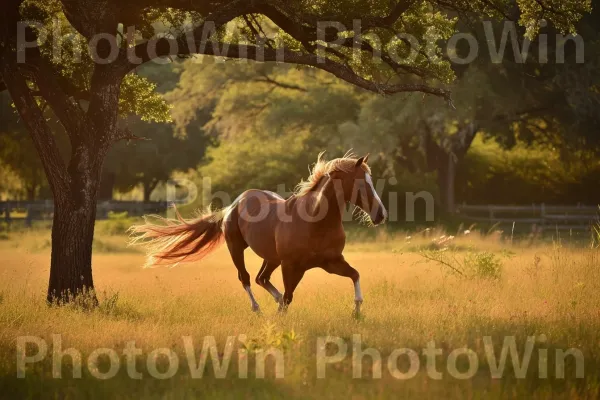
column 256, row 310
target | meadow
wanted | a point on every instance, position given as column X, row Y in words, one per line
column 546, row 289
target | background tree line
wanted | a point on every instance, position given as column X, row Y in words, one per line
column 520, row 133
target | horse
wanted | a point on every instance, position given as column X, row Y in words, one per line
column 299, row 233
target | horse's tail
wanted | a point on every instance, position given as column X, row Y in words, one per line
column 172, row 241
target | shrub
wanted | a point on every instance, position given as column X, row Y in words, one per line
column 4, row 230
column 474, row 265
column 596, row 235
column 270, row 336
column 525, row 174
column 112, row 306
column 483, row 265
column 105, row 246
column 109, row 305
column 117, row 224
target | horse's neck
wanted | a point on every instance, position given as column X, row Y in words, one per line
column 329, row 198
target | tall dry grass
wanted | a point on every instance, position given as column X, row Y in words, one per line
column 543, row 289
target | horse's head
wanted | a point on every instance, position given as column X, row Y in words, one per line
column 359, row 190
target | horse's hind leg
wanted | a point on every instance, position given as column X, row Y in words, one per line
column 236, row 246
column 264, row 279
column 292, row 274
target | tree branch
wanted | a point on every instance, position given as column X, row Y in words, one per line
column 194, row 43
column 367, row 22
column 255, row 31
column 33, row 64
column 33, row 118
column 182, row 44
column 126, row 134
column 165, row 46
column 47, row 79
column 267, row 79
column 396, row 67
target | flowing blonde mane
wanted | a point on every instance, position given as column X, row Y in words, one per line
column 323, row 167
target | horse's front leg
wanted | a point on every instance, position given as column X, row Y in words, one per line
column 339, row 266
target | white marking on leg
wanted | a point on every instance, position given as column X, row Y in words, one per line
column 255, row 306
column 268, row 285
column 274, row 292
column 357, row 292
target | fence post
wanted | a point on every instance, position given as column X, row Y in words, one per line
column 28, row 217
column 7, row 218
column 543, row 216
column 103, row 209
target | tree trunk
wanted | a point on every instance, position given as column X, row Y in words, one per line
column 73, row 229
column 444, row 179
column 147, row 193
column 148, row 189
column 445, row 165
column 444, row 157
column 31, row 193
column 450, row 185
column 91, row 133
column 71, row 260
column 446, row 173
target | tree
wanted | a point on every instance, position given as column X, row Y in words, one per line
column 151, row 161
column 87, row 97
column 267, row 120
column 545, row 103
column 419, row 135
column 505, row 101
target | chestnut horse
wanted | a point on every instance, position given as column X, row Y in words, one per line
column 303, row 232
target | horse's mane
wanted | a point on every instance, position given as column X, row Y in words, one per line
column 323, row 167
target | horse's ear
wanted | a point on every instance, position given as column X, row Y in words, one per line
column 362, row 160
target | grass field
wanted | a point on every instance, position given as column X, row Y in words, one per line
column 548, row 291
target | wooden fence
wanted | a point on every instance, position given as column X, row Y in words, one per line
column 43, row 210
column 538, row 216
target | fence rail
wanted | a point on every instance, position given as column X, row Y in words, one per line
column 538, row 216
column 44, row 209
